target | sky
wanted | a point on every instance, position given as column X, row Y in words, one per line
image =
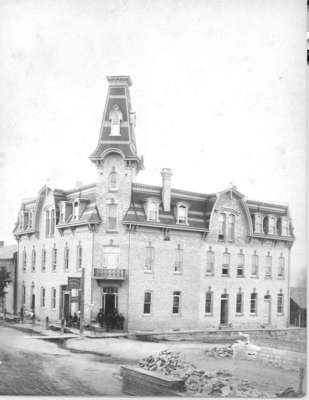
column 219, row 90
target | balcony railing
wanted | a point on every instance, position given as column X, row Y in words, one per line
column 109, row 273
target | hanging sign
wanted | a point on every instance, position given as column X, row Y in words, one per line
column 73, row 283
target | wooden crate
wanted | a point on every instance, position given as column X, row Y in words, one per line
column 140, row 382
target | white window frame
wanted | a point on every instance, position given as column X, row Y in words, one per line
column 226, row 265
column 211, row 294
column 54, row 259
column 178, row 266
column 281, row 267
column 24, row 258
column 113, row 180
column 33, row 259
column 149, row 259
column 79, row 256
column 43, row 259
column 254, row 257
column 268, row 266
column 147, row 292
column 241, row 264
column 255, row 302
column 210, row 262
column 112, row 227
column 176, row 294
column 152, row 210
column 241, row 312
column 179, row 219
column 43, row 297
column 53, row 302
column 66, row 258
column 281, row 302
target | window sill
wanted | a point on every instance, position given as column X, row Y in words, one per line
column 281, row 278
column 177, row 273
column 208, row 315
column 147, row 315
column 280, row 315
column 209, row 274
column 239, row 314
column 254, row 277
column 240, row 276
column 267, row 277
column 176, row 315
column 148, row 271
column 253, row 314
column 112, row 230
column 225, row 275
column 113, row 189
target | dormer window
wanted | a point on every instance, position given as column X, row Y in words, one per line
column 221, row 230
column 231, row 228
column 152, row 210
column 258, row 223
column 272, row 225
column 285, row 227
column 115, row 116
column 112, row 180
column 75, row 210
column 182, row 214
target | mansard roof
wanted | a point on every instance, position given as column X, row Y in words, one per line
column 199, row 211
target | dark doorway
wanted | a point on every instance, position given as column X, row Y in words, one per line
column 66, row 305
column 224, row 310
column 109, row 304
column 33, row 302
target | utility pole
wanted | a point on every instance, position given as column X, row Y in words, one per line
column 82, row 303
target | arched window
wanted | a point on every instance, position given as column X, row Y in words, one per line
column 24, row 259
column 112, row 180
column 254, row 264
column 221, row 228
column 253, row 302
column 209, row 302
column 281, row 267
column 280, row 303
column 266, row 225
column 53, row 298
column 43, row 259
column 33, row 259
column 182, row 214
column 115, row 116
column 43, row 297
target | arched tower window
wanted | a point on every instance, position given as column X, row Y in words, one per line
column 115, row 116
column 112, row 180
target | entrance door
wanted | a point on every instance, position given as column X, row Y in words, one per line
column 109, row 303
column 267, row 309
column 33, row 302
column 224, row 309
column 66, row 305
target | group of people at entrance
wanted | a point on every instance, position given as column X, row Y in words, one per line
column 110, row 320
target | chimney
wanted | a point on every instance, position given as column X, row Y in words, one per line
column 166, row 174
column 1, row 243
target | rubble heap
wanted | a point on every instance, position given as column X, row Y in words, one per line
column 220, row 352
column 199, row 382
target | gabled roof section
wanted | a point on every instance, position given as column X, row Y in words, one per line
column 299, row 296
column 7, row 252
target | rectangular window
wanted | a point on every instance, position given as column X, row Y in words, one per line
column 253, row 303
column 231, row 228
column 210, row 262
column 153, row 211
column 281, row 267
column 239, row 304
column 254, row 265
column 112, row 217
column 76, row 211
column 79, row 257
column 54, row 259
column 24, row 260
column 66, row 258
column 43, row 259
column 258, row 223
column 268, row 266
column 147, row 302
column 176, row 302
column 272, row 226
column 24, row 295
column 208, row 303
column 226, row 264
column 149, row 258
column 179, row 260
column 241, row 265
column 182, row 214
column 26, row 220
column 42, row 297
column 221, row 231
column 285, row 227
column 280, row 303
column 53, row 298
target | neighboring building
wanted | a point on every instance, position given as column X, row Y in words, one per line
column 165, row 258
column 8, row 262
column 298, row 306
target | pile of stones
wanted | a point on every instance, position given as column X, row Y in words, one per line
column 220, row 352
column 199, row 382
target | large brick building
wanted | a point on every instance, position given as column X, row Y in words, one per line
column 165, row 258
